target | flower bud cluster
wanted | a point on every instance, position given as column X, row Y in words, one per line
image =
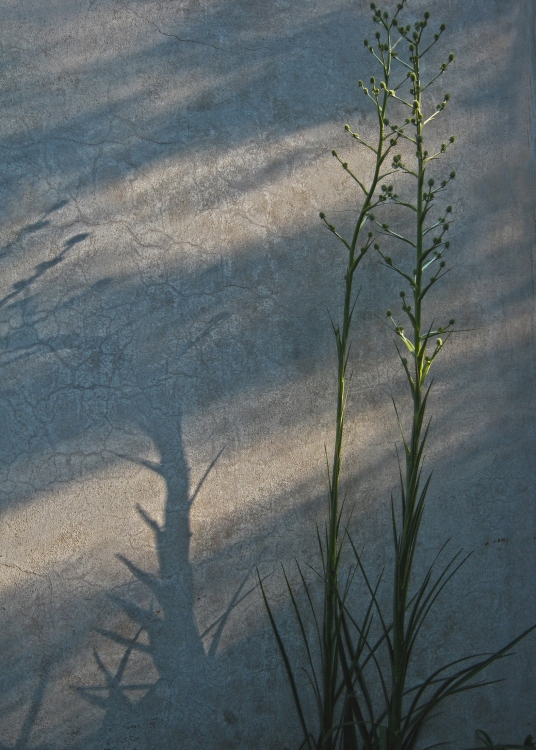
column 443, row 104
column 388, row 192
column 397, row 162
column 322, row 216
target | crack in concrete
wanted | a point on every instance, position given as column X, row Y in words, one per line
column 175, row 36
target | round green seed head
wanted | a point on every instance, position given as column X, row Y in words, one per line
column 451, row 322
column 322, row 215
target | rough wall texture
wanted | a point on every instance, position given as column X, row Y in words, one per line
column 165, row 282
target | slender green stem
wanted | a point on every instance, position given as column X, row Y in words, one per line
column 331, row 626
column 331, row 613
column 410, row 510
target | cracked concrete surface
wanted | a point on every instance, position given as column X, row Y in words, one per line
column 167, row 361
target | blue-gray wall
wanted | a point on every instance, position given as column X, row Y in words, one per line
column 166, row 285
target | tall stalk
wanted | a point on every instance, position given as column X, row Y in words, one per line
column 328, row 688
column 405, row 625
column 348, row 674
column 380, row 95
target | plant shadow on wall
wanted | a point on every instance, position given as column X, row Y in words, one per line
column 172, row 638
column 183, row 705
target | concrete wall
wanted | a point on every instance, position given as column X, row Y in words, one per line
column 165, row 287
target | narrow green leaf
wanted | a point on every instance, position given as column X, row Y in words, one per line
column 288, row 668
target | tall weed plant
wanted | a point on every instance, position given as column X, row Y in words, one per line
column 360, row 660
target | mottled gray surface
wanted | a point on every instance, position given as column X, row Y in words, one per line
column 165, row 285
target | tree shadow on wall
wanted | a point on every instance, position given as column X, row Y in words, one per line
column 172, row 639
column 182, row 706
column 162, row 690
